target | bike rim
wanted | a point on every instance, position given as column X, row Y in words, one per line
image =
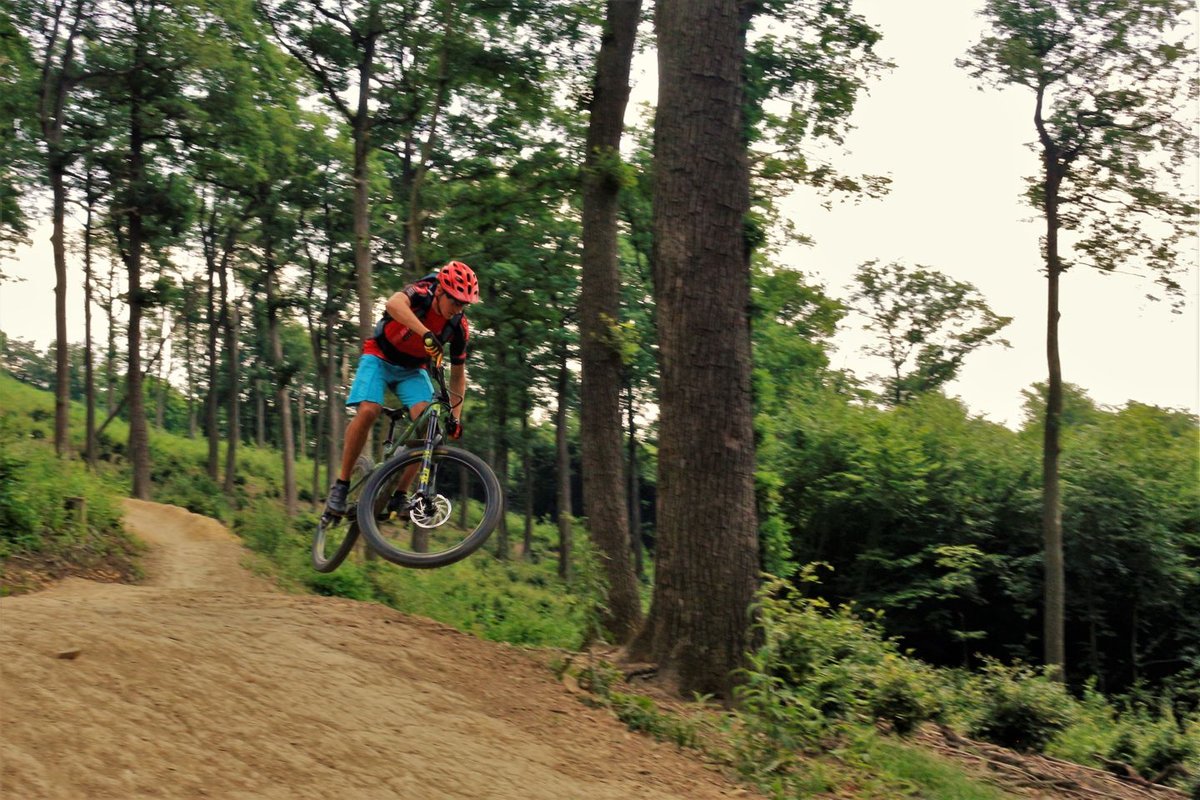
column 450, row 519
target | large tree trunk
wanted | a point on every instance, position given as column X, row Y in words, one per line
column 599, row 307
column 563, row 467
column 707, row 556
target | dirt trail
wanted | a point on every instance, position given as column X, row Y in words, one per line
column 206, row 682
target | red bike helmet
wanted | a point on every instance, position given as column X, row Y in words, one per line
column 460, row 282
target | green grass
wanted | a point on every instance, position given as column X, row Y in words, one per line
column 912, row 772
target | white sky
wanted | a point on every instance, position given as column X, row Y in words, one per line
column 956, row 157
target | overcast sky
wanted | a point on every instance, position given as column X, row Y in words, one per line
column 956, row 157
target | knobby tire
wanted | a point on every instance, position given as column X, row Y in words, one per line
column 460, row 474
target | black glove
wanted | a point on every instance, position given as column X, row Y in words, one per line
column 454, row 428
column 433, row 347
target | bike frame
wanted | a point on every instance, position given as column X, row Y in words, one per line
column 430, row 420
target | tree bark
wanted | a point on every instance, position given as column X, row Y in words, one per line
column 527, row 488
column 62, row 364
column 361, row 125
column 211, row 398
column 280, row 379
column 635, row 495
column 1055, row 573
column 599, row 309
column 232, row 319
column 501, row 465
column 88, row 353
column 56, row 84
column 139, row 440
column 707, row 556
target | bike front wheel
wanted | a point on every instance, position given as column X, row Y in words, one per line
column 450, row 520
column 335, row 536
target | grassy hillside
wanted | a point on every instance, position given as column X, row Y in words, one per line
column 829, row 704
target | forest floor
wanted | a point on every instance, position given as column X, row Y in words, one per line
column 207, row 681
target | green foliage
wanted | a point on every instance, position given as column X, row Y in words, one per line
column 1018, row 707
column 36, row 522
column 829, row 666
column 1114, row 87
column 927, row 324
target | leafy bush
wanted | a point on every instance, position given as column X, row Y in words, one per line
column 1019, row 708
column 347, row 581
column 905, row 693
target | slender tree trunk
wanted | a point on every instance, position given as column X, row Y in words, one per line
column 211, row 399
column 260, row 414
column 335, row 425
column 56, row 84
column 189, row 357
column 563, row 470
column 1055, row 580
column 301, row 422
column 362, row 178
column 164, row 370
column 318, row 433
column 502, row 457
column 229, row 313
column 62, row 364
column 283, row 400
column 416, row 215
column 599, row 306
column 139, row 439
column 700, row 625
column 110, row 353
column 635, row 496
column 527, row 468
column 88, row 353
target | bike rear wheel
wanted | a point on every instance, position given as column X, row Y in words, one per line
column 450, row 521
column 335, row 536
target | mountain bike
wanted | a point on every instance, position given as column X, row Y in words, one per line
column 427, row 505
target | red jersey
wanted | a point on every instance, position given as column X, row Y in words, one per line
column 397, row 344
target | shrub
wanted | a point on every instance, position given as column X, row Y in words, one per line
column 347, row 581
column 1020, row 708
column 904, row 693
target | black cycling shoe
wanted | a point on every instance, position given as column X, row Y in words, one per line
column 335, row 504
column 397, row 508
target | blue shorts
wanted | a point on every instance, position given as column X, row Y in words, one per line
column 412, row 386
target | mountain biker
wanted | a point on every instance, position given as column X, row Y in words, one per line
column 417, row 320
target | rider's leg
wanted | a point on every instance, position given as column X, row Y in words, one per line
column 367, row 394
column 356, row 435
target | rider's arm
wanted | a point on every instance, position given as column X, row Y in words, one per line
column 458, row 387
column 399, row 308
